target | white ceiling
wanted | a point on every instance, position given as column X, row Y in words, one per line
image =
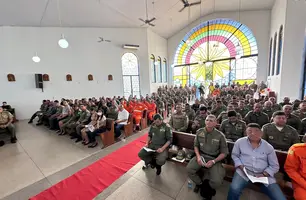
column 115, row 13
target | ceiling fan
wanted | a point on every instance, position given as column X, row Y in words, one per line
column 147, row 21
column 187, row 4
column 101, row 39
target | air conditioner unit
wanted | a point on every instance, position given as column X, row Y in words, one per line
column 131, row 46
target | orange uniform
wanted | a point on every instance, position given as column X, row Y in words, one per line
column 129, row 108
column 295, row 167
column 137, row 113
column 152, row 108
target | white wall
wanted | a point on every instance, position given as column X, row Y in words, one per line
column 278, row 18
column 84, row 56
column 157, row 46
column 292, row 69
column 257, row 21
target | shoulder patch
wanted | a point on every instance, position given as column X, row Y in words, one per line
column 290, row 152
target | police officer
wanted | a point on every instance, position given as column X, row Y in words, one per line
column 82, row 121
column 242, row 110
column 257, row 116
column 268, row 109
column 199, row 121
column 210, row 144
column 278, row 134
column 223, row 115
column 218, row 108
column 233, row 128
column 301, row 112
column 179, row 120
column 159, row 139
column 292, row 120
column 6, row 120
column 189, row 112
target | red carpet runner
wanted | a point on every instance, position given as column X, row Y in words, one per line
column 92, row 180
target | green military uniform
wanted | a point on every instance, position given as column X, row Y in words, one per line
column 190, row 114
column 5, row 118
column 179, row 122
column 280, row 139
column 276, row 107
column 84, row 118
column 199, row 122
column 269, row 112
column 299, row 114
column 218, row 111
column 160, row 106
column 223, row 116
column 233, row 131
column 73, row 119
column 242, row 111
column 210, row 146
column 259, row 118
column 112, row 113
column 159, row 136
column 295, row 122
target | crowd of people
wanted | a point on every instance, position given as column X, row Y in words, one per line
column 257, row 126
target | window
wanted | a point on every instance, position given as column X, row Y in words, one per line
column 160, row 70
column 274, row 55
column 208, row 53
column 270, row 57
column 165, row 71
column 280, row 48
column 153, row 68
column 130, row 73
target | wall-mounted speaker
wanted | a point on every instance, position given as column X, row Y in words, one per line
column 39, row 81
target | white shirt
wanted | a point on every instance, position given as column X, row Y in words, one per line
column 123, row 115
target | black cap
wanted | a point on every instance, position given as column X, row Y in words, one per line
column 232, row 113
column 203, row 108
column 158, row 116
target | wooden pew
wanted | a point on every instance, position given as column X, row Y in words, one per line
column 128, row 128
column 108, row 138
column 186, row 140
column 144, row 120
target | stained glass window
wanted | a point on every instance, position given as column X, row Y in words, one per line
column 153, row 68
column 280, row 48
column 130, row 73
column 209, row 51
column 165, row 71
column 270, row 57
column 274, row 55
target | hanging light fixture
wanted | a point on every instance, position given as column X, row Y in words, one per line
column 63, row 43
column 36, row 58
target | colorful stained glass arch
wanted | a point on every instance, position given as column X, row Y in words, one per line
column 214, row 45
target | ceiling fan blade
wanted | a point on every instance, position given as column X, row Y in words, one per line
column 107, row 41
column 143, row 25
column 184, row 2
column 142, row 20
column 182, row 9
column 195, row 3
column 151, row 20
column 151, row 24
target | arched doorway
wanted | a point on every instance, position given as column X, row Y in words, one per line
column 219, row 51
column 130, row 74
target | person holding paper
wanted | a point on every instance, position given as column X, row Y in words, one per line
column 159, row 139
column 295, row 167
column 209, row 146
column 257, row 157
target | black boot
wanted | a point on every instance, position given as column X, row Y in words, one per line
column 207, row 192
column 158, row 170
column 196, row 188
column 153, row 164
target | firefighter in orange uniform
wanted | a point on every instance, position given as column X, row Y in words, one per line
column 151, row 109
column 137, row 113
column 295, row 167
column 129, row 107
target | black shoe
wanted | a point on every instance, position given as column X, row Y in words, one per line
column 93, row 145
column 158, row 170
column 30, row 122
column 153, row 164
column 38, row 124
column 196, row 188
column 13, row 140
column 145, row 167
column 2, row 143
column 207, row 192
column 78, row 140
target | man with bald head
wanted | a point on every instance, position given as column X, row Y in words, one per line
column 257, row 116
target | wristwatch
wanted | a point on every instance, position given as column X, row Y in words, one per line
column 265, row 174
column 214, row 161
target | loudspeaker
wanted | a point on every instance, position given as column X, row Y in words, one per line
column 39, row 81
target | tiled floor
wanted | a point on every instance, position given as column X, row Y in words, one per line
column 41, row 159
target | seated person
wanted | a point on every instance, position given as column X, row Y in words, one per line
column 223, row 115
column 209, row 145
column 50, row 111
column 43, row 108
column 123, row 116
column 78, row 125
column 112, row 111
column 159, row 139
column 233, row 128
column 295, row 167
column 179, row 120
column 92, row 123
column 247, row 151
column 5, row 106
column 199, row 120
column 280, row 135
column 292, row 120
column 257, row 116
column 54, row 122
column 6, row 120
column 100, row 128
column 92, row 120
column 73, row 116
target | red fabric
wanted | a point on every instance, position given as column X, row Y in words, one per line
column 87, row 183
